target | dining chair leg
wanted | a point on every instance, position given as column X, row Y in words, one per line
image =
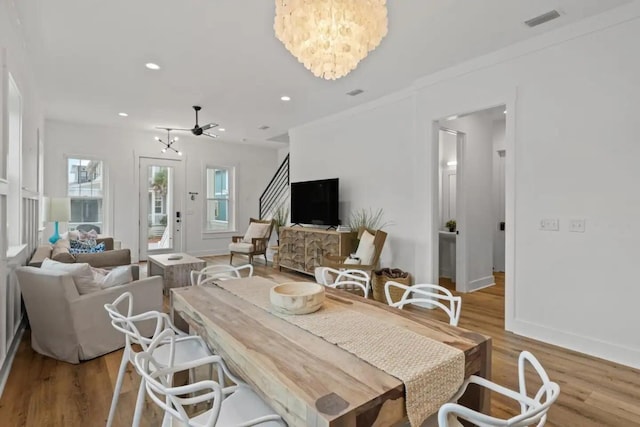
column 118, row 387
column 265, row 258
column 231, row 258
column 137, row 414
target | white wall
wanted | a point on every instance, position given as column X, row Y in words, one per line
column 368, row 152
column 571, row 140
column 254, row 167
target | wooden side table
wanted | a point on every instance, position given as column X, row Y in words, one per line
column 175, row 273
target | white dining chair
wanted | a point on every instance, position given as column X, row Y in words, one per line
column 426, row 294
column 223, row 272
column 346, row 279
column 533, row 409
column 231, row 402
column 185, row 347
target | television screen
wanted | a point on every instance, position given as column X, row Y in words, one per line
column 315, row 202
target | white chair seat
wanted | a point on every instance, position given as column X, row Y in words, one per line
column 241, row 247
column 242, row 406
column 185, row 351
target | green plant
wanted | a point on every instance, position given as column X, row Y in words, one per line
column 451, row 224
column 280, row 217
column 367, row 218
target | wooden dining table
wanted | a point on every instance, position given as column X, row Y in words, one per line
column 307, row 380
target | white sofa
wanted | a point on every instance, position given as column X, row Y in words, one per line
column 72, row 327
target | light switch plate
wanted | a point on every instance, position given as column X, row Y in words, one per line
column 550, row 224
column 577, row 225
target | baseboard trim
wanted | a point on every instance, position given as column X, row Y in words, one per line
column 593, row 347
column 209, row 252
column 13, row 350
column 481, row 283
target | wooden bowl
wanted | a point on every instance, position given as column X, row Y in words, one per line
column 297, row 297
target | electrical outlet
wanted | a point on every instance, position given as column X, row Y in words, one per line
column 549, row 224
column 577, row 225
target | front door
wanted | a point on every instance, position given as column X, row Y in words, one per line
column 160, row 206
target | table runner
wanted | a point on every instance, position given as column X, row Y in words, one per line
column 431, row 371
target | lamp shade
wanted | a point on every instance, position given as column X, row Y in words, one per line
column 57, row 209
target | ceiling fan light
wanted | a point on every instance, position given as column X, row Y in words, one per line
column 156, row 138
column 164, row 150
column 179, row 153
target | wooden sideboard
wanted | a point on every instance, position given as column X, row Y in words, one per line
column 302, row 249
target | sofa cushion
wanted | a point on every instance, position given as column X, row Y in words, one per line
column 242, row 247
column 256, row 230
column 80, row 272
column 61, row 251
column 106, row 259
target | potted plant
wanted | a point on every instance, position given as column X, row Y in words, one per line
column 280, row 218
column 368, row 219
column 451, row 225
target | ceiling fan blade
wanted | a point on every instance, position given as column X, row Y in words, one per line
column 182, row 129
column 210, row 135
column 209, row 126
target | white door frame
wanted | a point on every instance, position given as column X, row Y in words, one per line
column 178, row 202
column 509, row 99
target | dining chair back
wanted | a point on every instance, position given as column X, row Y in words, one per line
column 233, row 405
column 346, row 279
column 187, row 347
column 223, row 272
column 533, row 407
column 426, row 294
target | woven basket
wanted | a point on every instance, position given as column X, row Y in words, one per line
column 380, row 277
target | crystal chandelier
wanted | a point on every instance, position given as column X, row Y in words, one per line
column 330, row 37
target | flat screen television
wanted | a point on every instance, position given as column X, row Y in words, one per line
column 315, row 202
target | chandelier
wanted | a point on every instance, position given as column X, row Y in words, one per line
column 169, row 142
column 330, row 37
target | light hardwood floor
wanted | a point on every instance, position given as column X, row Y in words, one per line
column 594, row 393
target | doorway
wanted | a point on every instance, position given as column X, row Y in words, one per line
column 471, row 226
column 160, row 208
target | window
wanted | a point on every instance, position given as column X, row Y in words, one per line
column 85, row 189
column 220, row 199
column 157, row 208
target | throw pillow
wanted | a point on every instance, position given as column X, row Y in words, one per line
column 86, row 247
column 366, row 250
column 115, row 277
column 256, row 230
column 80, row 272
column 87, row 235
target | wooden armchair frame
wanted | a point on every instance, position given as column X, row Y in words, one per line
column 260, row 245
column 338, row 262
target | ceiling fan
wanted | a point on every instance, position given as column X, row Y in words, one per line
column 198, row 130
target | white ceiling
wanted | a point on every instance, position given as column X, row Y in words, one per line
column 89, row 57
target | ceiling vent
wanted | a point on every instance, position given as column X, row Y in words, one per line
column 545, row 17
column 263, row 127
column 355, row 92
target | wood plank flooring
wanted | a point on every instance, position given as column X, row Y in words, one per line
column 594, row 393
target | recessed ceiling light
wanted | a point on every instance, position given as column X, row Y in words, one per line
column 152, row 66
column 123, row 114
column 285, row 98
column 505, row 111
column 221, row 129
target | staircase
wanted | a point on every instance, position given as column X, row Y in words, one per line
column 277, row 192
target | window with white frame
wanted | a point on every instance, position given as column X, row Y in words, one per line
column 85, row 189
column 219, row 204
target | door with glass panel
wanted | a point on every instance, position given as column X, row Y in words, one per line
column 160, row 206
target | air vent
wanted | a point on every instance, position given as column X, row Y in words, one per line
column 355, row 92
column 263, row 127
column 545, row 17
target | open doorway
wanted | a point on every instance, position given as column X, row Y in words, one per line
column 471, row 227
